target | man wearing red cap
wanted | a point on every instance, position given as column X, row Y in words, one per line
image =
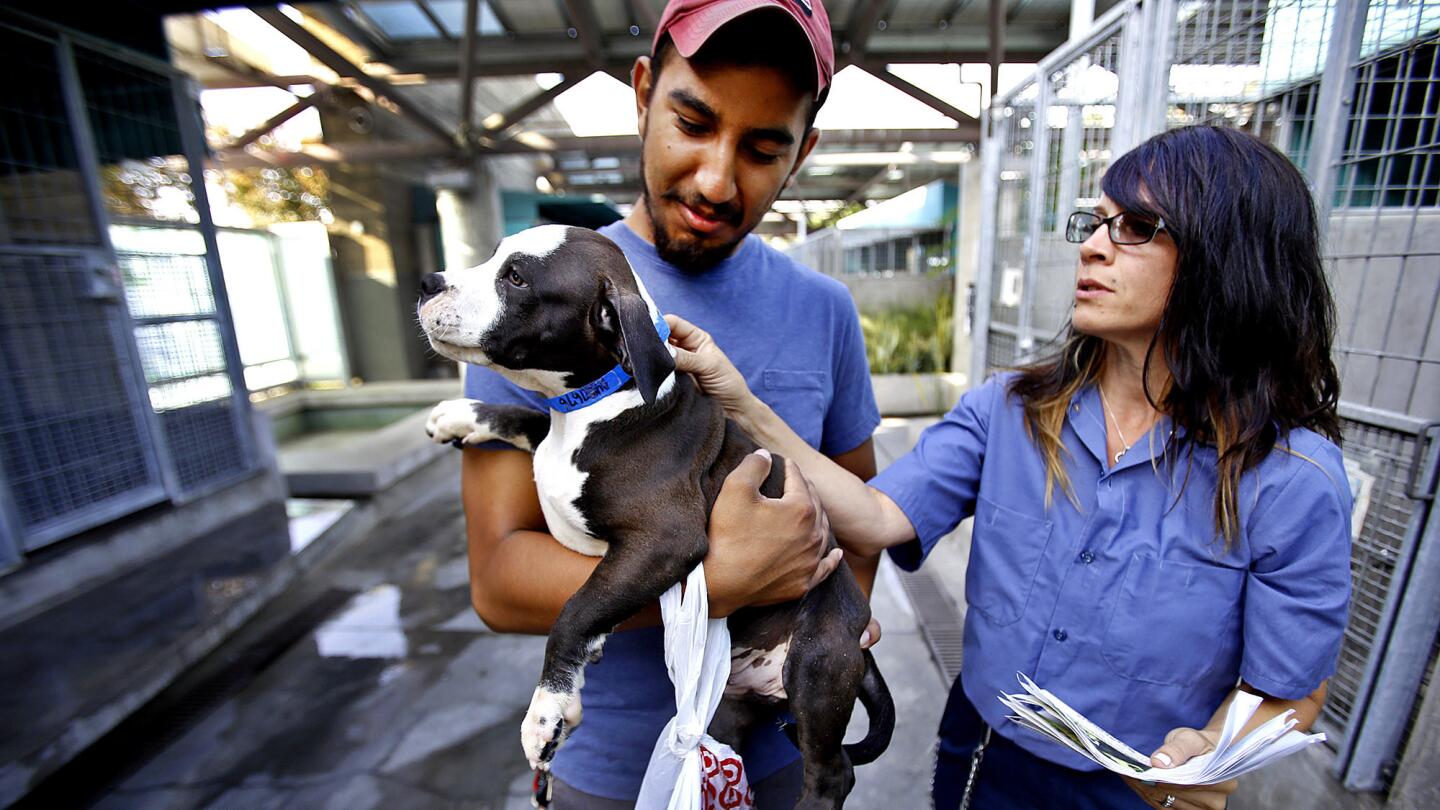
column 726, row 106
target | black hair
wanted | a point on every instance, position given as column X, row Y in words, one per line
column 1247, row 330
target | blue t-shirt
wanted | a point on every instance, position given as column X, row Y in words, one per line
column 795, row 335
column 1128, row 607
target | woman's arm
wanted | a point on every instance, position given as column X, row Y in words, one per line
column 865, row 520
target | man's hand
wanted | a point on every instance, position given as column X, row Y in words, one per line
column 1180, row 746
column 765, row 550
column 712, row 370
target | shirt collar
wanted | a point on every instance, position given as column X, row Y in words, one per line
column 1088, row 419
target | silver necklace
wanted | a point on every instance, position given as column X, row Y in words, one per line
column 1111, row 413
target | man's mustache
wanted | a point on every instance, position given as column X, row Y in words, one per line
column 728, row 213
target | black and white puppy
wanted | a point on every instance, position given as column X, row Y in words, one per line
column 631, row 477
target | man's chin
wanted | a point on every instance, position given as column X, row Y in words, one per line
column 692, row 255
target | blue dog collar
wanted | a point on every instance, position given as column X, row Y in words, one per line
column 592, row 392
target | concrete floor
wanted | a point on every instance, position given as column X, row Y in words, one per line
column 402, row 698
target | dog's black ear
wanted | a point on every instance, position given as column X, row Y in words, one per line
column 642, row 353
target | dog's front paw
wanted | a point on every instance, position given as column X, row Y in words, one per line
column 454, row 422
column 550, row 718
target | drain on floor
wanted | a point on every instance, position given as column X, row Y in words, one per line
column 939, row 621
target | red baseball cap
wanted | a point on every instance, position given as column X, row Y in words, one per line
column 691, row 22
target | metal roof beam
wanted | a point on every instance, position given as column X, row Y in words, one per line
column 320, row 154
column 434, row 20
column 609, row 145
column 863, row 18
column 867, row 184
column 360, row 30
column 644, row 16
column 1015, row 10
column 333, row 60
column 494, row 125
column 582, row 16
column 467, row 69
column 276, row 120
column 496, row 57
column 936, row 103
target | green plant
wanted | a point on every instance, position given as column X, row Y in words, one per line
column 910, row 341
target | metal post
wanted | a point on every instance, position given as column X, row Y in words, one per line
column 1071, row 142
column 997, row 44
column 984, row 266
column 188, row 119
column 1035, row 224
column 1333, row 104
column 1135, row 66
column 1155, row 48
column 467, row 73
column 1082, row 16
column 1383, row 709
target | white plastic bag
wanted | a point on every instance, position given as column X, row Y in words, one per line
column 689, row 769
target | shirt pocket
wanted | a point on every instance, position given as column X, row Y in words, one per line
column 1175, row 623
column 800, row 398
column 1005, row 554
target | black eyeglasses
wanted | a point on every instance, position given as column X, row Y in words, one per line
column 1125, row 229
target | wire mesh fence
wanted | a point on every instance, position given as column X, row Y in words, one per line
column 116, row 384
column 1347, row 90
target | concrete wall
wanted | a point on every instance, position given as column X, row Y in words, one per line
column 115, row 549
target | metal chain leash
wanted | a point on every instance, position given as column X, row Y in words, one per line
column 974, row 769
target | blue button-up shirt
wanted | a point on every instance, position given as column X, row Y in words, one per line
column 1128, row 605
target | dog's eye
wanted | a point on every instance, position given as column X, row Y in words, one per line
column 514, row 278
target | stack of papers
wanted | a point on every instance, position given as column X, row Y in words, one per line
column 1041, row 711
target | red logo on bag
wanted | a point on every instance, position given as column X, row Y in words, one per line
column 724, row 784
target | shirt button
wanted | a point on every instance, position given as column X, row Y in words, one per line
column 1061, row 635
column 1087, row 557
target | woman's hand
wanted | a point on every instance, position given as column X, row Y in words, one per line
column 699, row 356
column 1180, row 746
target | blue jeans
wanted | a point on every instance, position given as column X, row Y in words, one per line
column 1011, row 778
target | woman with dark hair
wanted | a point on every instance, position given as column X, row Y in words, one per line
column 1161, row 510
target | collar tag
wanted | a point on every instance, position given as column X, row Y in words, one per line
column 592, row 392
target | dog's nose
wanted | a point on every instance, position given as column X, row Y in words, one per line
column 432, row 285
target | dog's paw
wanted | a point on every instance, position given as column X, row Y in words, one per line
column 550, row 718
column 454, row 422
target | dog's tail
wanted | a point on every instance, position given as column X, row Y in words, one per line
column 879, row 710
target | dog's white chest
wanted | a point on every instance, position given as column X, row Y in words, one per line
column 559, row 482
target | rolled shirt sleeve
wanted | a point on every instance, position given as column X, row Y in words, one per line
column 1298, row 583
column 936, row 483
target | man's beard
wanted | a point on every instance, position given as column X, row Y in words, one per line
column 688, row 256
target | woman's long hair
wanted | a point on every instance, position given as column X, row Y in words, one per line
column 1247, row 329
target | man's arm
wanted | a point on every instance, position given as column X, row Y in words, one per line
column 521, row 577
